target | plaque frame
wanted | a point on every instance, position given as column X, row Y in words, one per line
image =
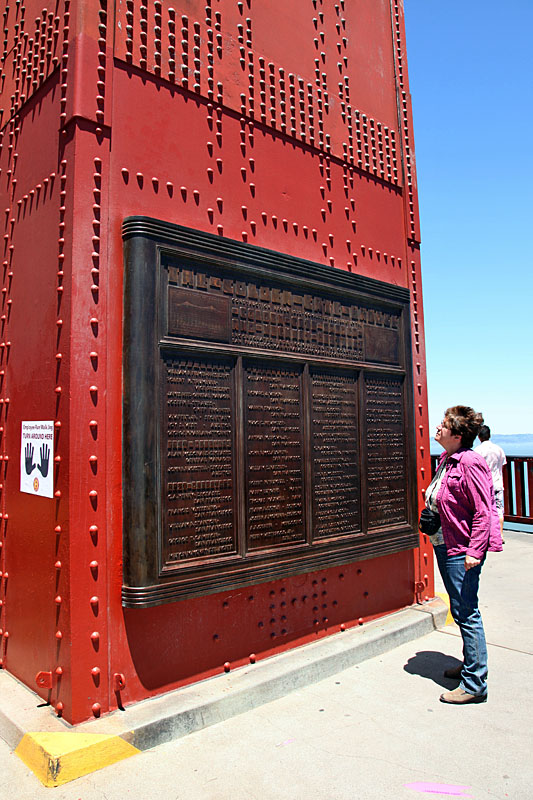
column 152, row 246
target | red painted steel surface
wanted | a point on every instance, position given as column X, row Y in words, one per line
column 286, row 125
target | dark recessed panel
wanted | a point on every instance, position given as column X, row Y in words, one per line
column 267, row 416
column 382, row 344
column 198, row 315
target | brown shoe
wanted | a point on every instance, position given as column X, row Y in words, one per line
column 460, row 697
column 453, row 672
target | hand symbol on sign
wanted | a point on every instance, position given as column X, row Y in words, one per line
column 28, row 458
column 45, row 456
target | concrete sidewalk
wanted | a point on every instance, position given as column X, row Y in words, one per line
column 374, row 730
column 59, row 753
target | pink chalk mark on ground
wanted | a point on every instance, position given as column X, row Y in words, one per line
column 440, row 788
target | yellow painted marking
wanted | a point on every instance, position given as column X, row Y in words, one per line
column 443, row 596
column 58, row 758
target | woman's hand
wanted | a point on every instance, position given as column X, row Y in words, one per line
column 470, row 562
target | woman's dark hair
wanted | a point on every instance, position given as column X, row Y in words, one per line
column 463, row 421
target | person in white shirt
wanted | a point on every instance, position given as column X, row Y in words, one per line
column 495, row 458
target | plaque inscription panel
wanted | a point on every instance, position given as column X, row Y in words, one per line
column 336, row 455
column 274, row 450
column 266, row 424
column 198, row 485
column 387, row 473
column 272, row 317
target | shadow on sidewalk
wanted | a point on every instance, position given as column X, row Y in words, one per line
column 431, row 664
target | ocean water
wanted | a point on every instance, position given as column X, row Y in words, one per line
column 518, row 445
column 521, row 445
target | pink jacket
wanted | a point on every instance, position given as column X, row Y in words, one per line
column 468, row 513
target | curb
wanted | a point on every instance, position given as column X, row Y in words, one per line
column 59, row 753
column 445, row 599
column 58, row 758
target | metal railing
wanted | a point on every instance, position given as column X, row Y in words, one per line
column 518, row 488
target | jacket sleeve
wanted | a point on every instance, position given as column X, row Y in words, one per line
column 479, row 488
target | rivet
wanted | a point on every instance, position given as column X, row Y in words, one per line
column 95, row 671
column 59, row 635
column 58, row 670
column 95, row 636
column 58, row 599
column 227, row 666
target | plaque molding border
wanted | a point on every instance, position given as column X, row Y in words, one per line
column 147, row 243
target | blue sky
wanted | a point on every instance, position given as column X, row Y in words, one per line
column 471, row 76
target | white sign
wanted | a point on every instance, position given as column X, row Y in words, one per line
column 37, row 458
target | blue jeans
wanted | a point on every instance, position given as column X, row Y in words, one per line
column 462, row 587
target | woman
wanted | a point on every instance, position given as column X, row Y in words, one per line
column 462, row 493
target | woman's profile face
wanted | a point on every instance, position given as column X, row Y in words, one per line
column 444, row 436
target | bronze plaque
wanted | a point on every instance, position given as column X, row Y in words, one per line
column 267, row 416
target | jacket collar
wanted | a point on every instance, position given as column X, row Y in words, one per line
column 457, row 456
column 460, row 453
